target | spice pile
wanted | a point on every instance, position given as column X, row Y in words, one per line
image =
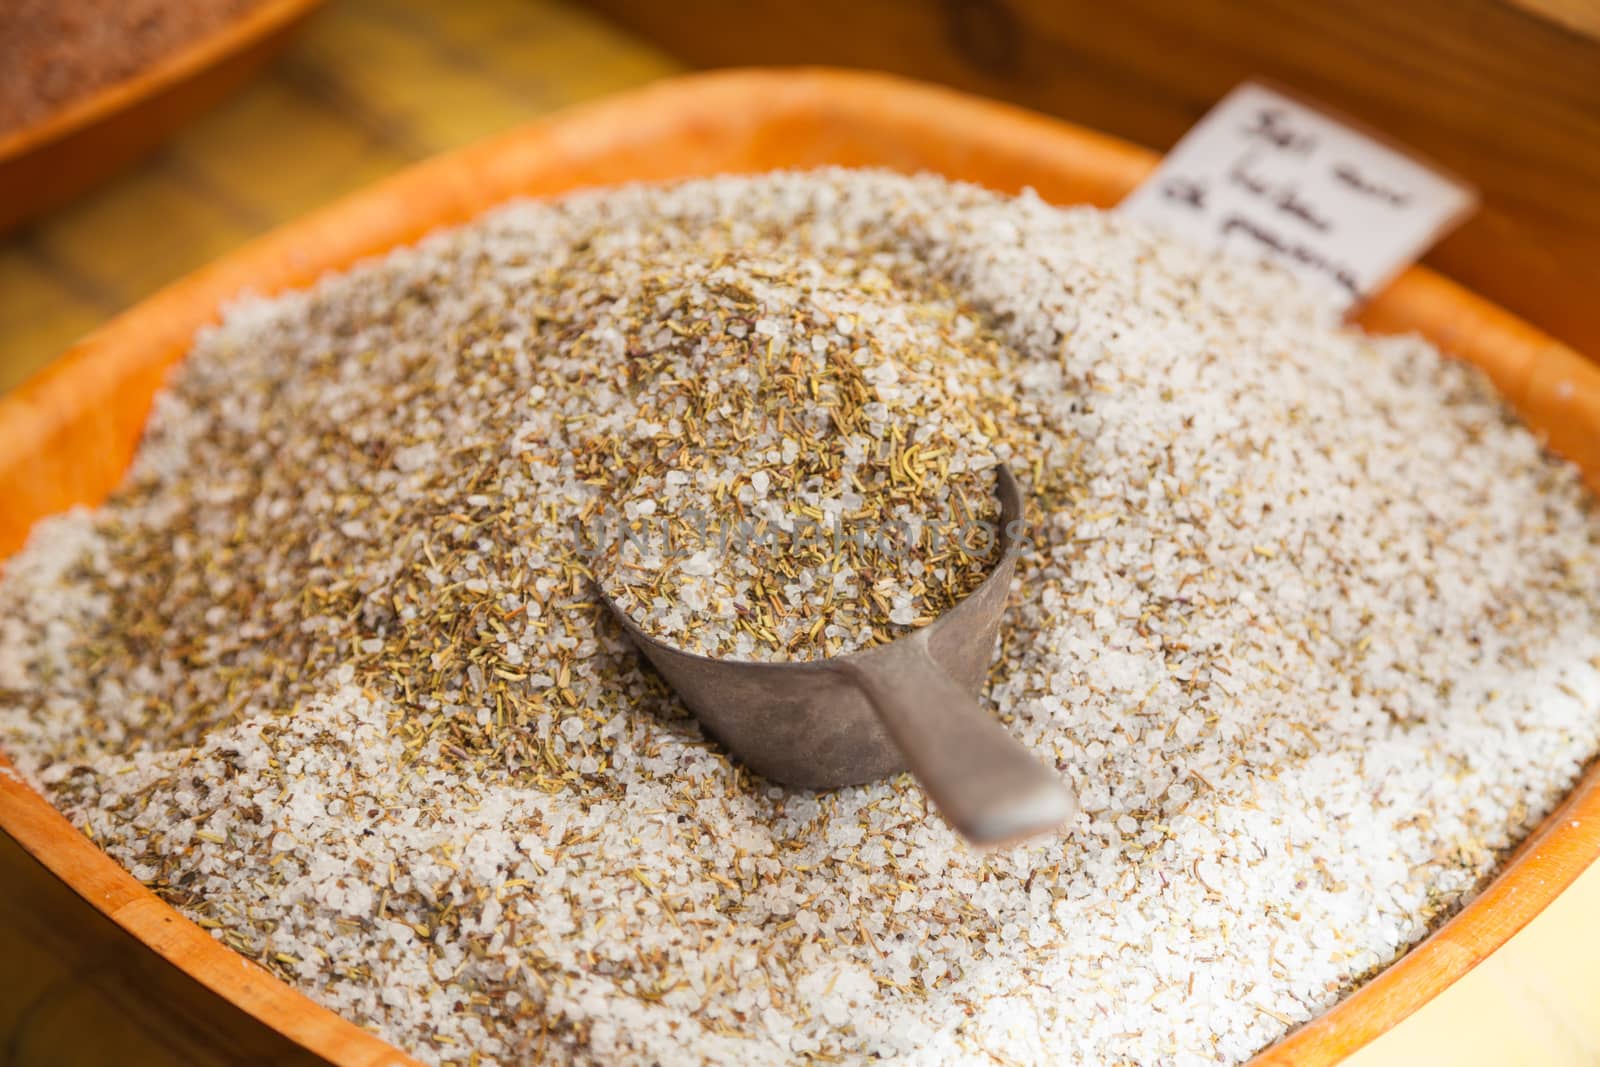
column 54, row 52
column 804, row 468
column 1310, row 624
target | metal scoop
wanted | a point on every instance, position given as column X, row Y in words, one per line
column 871, row 714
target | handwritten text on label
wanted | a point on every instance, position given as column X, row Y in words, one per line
column 1266, row 174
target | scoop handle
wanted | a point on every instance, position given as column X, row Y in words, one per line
column 987, row 786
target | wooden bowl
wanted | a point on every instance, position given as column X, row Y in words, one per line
column 54, row 160
column 67, row 436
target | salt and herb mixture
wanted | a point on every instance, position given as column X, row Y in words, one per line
column 804, row 469
column 1310, row 624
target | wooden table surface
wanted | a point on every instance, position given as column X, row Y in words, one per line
column 368, row 87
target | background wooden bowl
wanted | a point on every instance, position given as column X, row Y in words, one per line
column 67, row 436
column 56, row 159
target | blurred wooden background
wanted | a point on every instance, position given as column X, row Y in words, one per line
column 373, row 84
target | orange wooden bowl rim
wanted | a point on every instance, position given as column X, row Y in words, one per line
column 216, row 47
column 67, row 436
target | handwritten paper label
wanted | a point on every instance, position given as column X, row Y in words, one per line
column 1267, row 174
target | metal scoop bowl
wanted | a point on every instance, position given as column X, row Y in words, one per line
column 909, row 703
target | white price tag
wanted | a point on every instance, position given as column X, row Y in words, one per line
column 1267, row 174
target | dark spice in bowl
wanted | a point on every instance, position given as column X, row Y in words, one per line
column 54, row 53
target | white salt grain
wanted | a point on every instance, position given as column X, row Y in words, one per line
column 1312, row 630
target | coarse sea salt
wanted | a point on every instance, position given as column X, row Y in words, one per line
column 883, row 514
column 1307, row 620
